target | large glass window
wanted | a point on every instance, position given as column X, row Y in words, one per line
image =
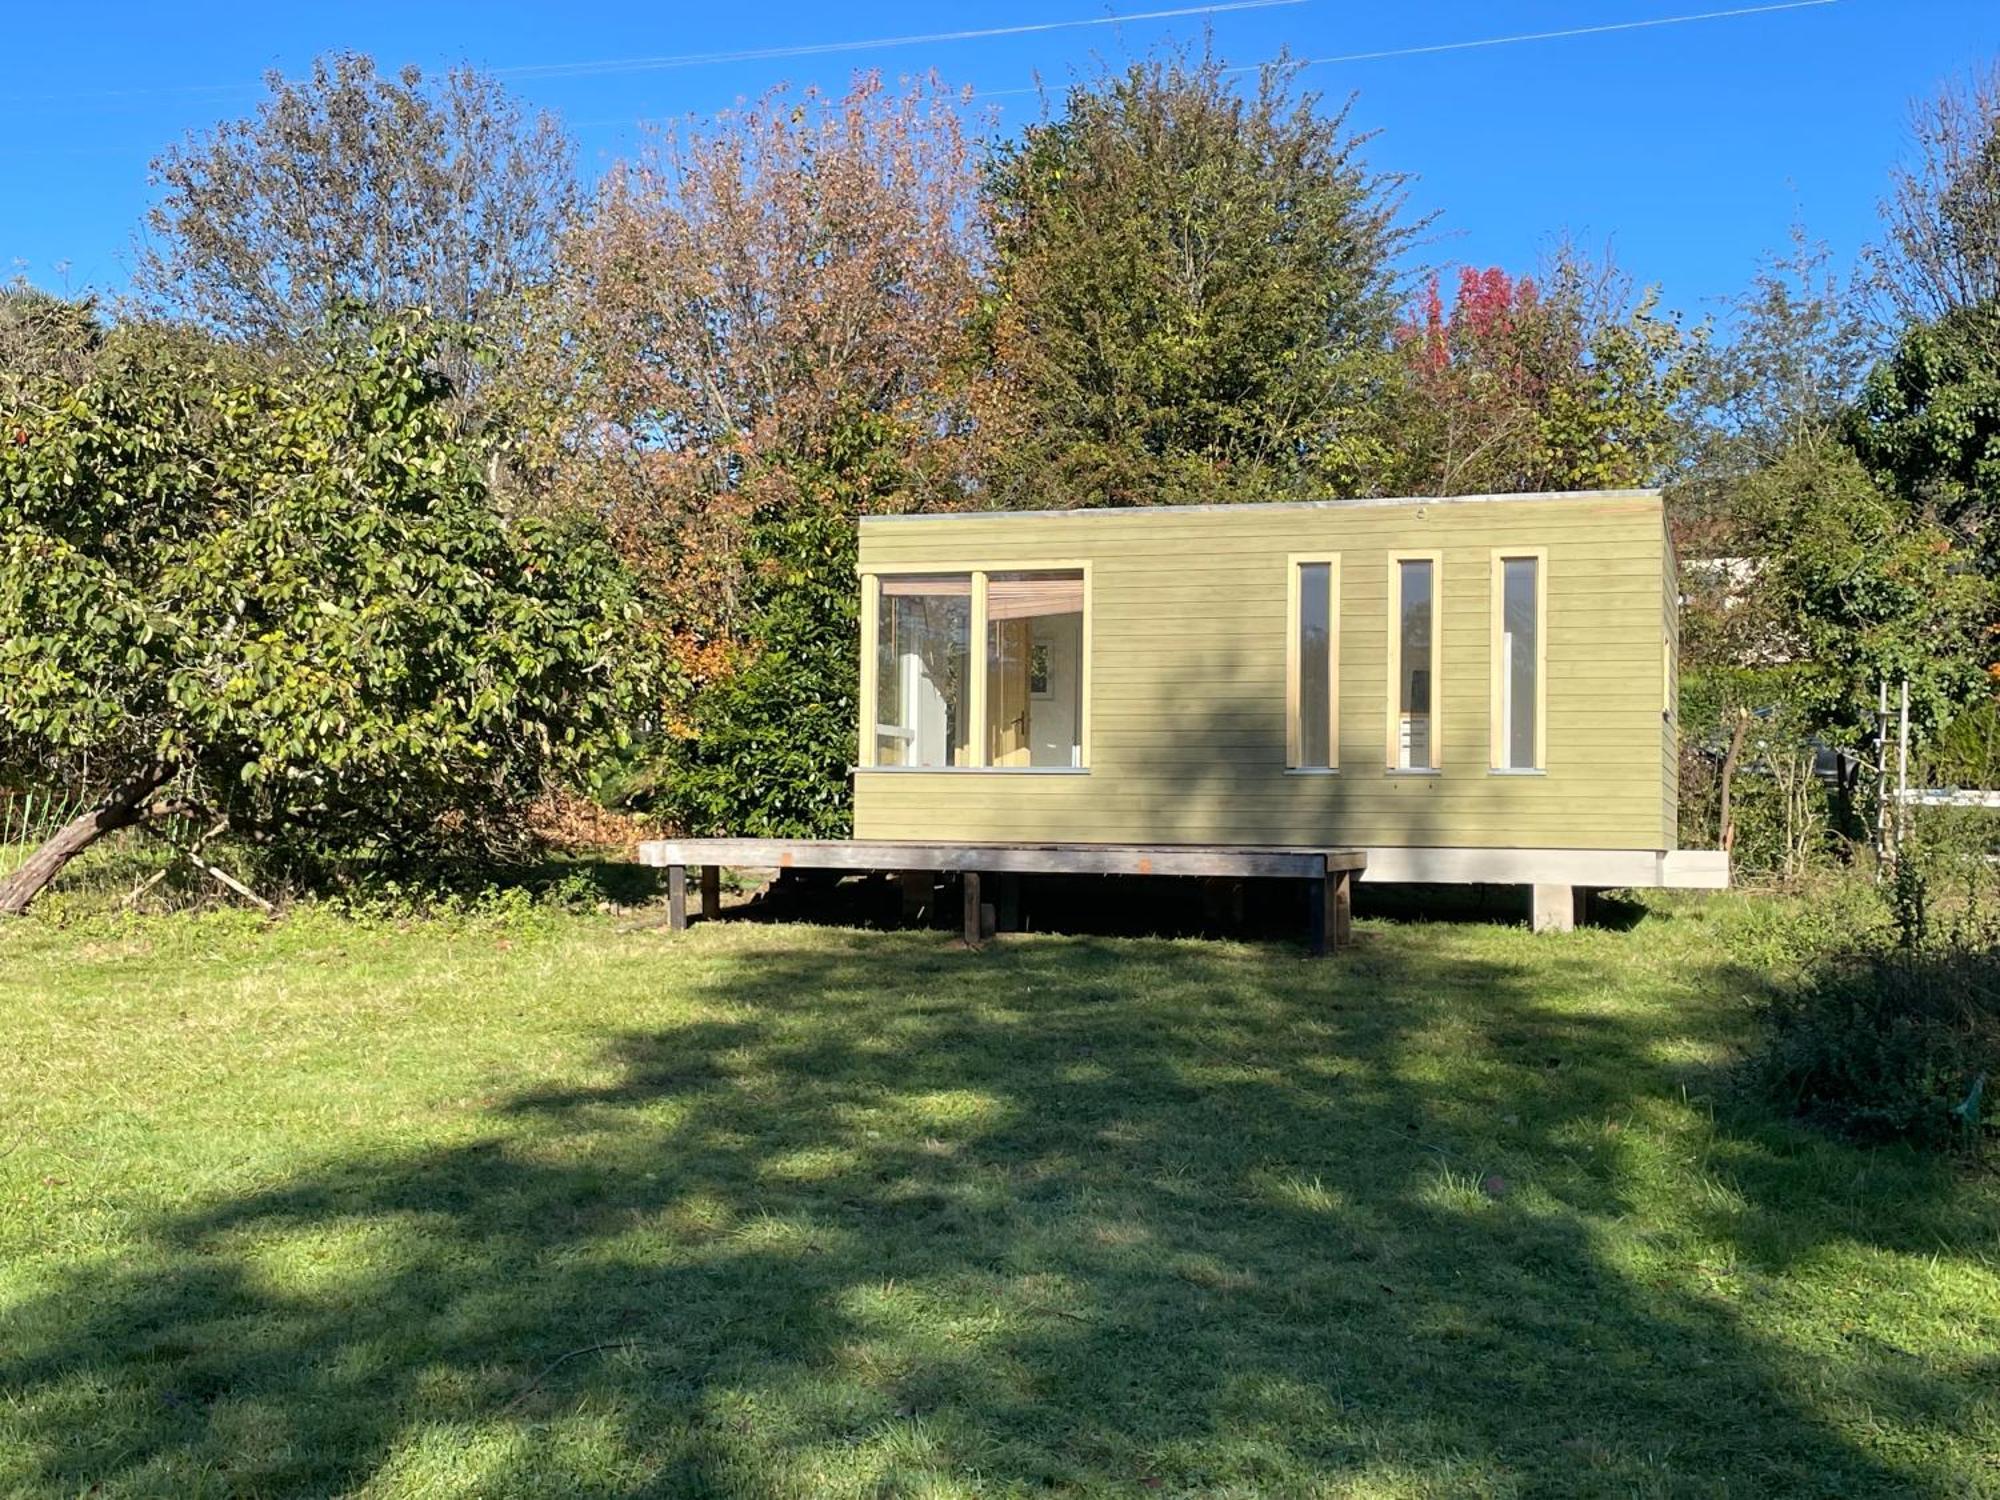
column 1034, row 665
column 923, row 671
column 1315, row 604
column 1518, row 664
column 1415, row 625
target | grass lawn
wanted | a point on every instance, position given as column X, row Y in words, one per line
column 552, row 1208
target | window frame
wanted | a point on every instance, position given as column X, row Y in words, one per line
column 1498, row 739
column 1393, row 621
column 872, row 574
column 1294, row 666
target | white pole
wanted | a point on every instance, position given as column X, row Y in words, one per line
column 1903, row 771
column 1881, row 774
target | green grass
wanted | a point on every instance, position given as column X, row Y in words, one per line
column 550, row 1207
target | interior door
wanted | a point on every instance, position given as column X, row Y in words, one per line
column 1007, row 692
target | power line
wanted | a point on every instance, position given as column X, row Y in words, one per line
column 709, row 59
column 819, row 49
column 1506, row 41
column 699, row 59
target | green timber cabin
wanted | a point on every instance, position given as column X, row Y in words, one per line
column 1473, row 689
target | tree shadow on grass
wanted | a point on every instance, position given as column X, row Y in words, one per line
column 1065, row 1216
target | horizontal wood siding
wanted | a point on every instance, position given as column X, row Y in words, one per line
column 1188, row 677
column 1670, row 736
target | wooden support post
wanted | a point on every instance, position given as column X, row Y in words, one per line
column 677, row 898
column 711, row 892
column 1008, row 917
column 1319, row 899
column 1340, row 895
column 975, row 921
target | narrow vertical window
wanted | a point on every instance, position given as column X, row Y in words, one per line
column 1413, row 686
column 1517, row 663
column 923, row 671
column 1034, row 667
column 1313, row 736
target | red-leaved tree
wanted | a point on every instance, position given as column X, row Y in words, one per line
column 1560, row 382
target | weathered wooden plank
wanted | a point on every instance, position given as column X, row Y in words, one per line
column 997, row 858
column 975, row 920
column 677, row 897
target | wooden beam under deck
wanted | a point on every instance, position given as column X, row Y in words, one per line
column 1004, row 859
column 1329, row 873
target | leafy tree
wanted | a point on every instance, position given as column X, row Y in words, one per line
column 1941, row 249
column 1553, row 383
column 1814, row 569
column 1928, row 423
column 1193, row 293
column 43, row 334
column 1870, row 589
column 764, row 750
column 349, row 188
column 1765, row 401
column 761, row 334
column 286, row 599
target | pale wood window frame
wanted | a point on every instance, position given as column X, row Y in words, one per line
column 871, row 614
column 1497, row 748
column 1392, row 740
column 1294, row 729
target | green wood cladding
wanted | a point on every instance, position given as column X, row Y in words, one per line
column 1187, row 631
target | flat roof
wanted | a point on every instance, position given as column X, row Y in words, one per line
column 1650, row 493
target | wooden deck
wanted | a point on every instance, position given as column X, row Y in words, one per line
column 1330, row 872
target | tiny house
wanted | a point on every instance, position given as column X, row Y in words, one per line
column 1472, row 689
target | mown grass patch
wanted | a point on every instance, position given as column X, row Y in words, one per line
column 549, row 1206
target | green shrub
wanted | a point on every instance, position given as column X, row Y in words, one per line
column 1888, row 1027
column 1892, row 1044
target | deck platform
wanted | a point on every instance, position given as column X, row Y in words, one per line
column 1329, row 872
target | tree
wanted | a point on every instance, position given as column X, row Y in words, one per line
column 1559, row 382
column 1871, row 590
column 1928, row 423
column 1193, row 292
column 1815, row 570
column 284, row 598
column 348, row 188
column 762, row 335
column 1789, row 362
column 1766, row 402
column 43, row 334
column 1941, row 253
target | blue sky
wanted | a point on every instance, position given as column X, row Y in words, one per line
column 1687, row 149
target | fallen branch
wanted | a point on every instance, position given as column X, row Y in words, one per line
column 165, row 870
column 223, row 877
column 192, row 854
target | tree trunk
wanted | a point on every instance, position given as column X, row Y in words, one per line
column 120, row 808
column 1725, row 835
